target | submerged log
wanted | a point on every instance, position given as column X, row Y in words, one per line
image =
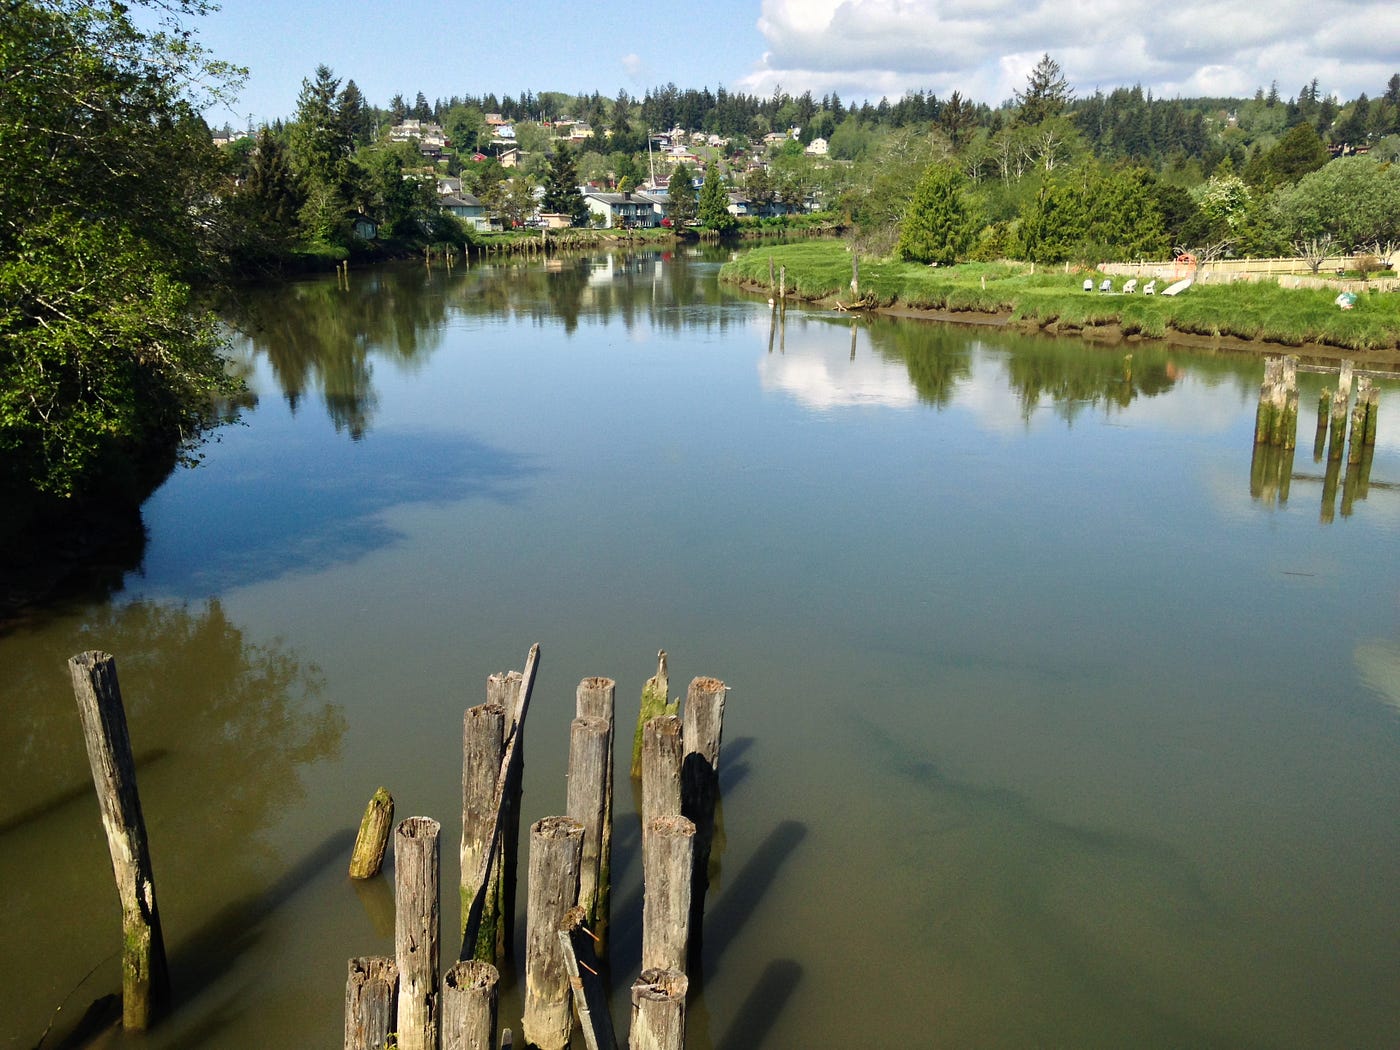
column 367, row 858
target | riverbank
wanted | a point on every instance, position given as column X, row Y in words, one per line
column 1261, row 318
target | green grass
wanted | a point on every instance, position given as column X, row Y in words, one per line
column 818, row 270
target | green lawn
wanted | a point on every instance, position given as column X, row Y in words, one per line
column 1264, row 310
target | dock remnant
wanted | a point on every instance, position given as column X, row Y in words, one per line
column 470, row 1006
column 556, row 851
column 145, row 976
column 371, row 1002
column 417, row 931
column 654, row 703
column 658, row 1011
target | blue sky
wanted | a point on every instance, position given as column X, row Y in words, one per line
column 861, row 49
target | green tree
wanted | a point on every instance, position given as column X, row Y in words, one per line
column 561, row 192
column 108, row 181
column 1354, row 199
column 268, row 203
column 1046, row 93
column 714, row 213
column 682, row 203
column 940, row 224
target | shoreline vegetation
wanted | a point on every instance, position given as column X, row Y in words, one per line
column 1261, row 316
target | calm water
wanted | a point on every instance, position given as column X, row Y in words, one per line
column 1054, row 720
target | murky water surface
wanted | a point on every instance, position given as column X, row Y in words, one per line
column 1058, row 717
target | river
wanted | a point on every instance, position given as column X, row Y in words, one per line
column 1056, row 718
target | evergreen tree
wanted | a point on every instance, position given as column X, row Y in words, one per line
column 713, row 209
column 561, row 186
column 1046, row 94
column 939, row 225
column 682, row 203
column 357, row 121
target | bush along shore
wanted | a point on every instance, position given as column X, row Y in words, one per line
column 1054, row 299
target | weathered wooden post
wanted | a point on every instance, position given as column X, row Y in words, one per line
column 1338, row 437
column 368, row 855
column 1373, row 411
column 589, row 750
column 416, row 931
column 1264, row 414
column 470, row 995
column 1286, row 403
column 772, row 284
column 668, row 858
column 654, row 700
column 590, row 996
column 782, row 285
column 556, row 849
column 145, row 977
column 513, row 691
column 658, row 1011
column 855, row 276
column 662, row 754
column 703, row 724
column 483, row 745
column 597, row 698
column 371, row 1002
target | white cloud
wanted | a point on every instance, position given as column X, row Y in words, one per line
column 872, row 48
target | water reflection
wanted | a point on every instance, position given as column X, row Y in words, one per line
column 223, row 728
column 937, row 360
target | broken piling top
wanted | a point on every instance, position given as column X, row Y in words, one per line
column 654, row 703
column 703, row 719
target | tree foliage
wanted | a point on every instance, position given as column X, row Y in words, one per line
column 940, row 225
column 561, row 192
column 714, row 213
column 107, row 203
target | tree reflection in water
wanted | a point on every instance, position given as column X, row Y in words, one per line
column 222, row 727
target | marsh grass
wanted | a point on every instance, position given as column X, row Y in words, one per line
column 818, row 270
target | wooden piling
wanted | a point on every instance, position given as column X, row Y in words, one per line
column 658, row 1011
column 589, row 751
column 855, row 276
column 668, row 855
column 702, row 731
column 556, row 849
column 579, row 949
column 416, row 931
column 368, row 855
column 1338, row 436
column 782, row 285
column 470, row 1006
column 1373, row 409
column 596, row 697
column 654, row 697
column 145, row 977
column 371, row 1002
column 483, row 745
column 662, row 753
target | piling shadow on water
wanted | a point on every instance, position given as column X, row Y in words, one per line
column 207, row 954
column 763, row 1006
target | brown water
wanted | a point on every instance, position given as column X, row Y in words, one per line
column 1051, row 724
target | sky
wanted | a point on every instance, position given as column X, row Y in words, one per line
column 859, row 49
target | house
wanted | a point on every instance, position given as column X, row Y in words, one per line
column 431, row 139
column 365, row 228
column 509, row 157
column 467, row 208
column 623, row 210
column 816, row 148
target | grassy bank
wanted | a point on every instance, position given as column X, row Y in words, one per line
column 1262, row 312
